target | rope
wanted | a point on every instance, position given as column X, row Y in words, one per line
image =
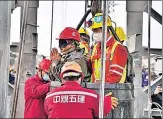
column 51, row 41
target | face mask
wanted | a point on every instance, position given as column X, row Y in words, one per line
column 97, row 37
column 46, row 77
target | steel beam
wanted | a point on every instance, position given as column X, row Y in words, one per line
column 155, row 15
column 153, row 51
column 154, row 84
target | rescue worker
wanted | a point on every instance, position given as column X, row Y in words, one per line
column 73, row 101
column 156, row 97
column 85, row 44
column 84, row 40
column 144, row 77
column 116, row 54
column 69, row 46
column 129, row 67
column 35, row 91
column 12, row 73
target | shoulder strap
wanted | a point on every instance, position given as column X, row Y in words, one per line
column 94, row 51
column 113, row 49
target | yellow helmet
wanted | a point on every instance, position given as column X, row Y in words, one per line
column 97, row 21
column 83, row 31
column 11, row 69
column 120, row 33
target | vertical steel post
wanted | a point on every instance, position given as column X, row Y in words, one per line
column 51, row 40
column 103, row 59
column 85, row 10
column 149, row 57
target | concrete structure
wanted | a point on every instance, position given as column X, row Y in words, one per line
column 14, row 47
column 125, row 95
column 27, row 55
column 134, row 32
column 135, row 11
column 5, row 24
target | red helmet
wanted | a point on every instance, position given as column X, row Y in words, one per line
column 69, row 33
column 45, row 65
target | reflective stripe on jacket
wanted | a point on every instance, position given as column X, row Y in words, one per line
column 73, row 101
column 116, row 60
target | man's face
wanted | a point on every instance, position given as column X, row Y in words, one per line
column 13, row 73
column 97, row 30
column 43, row 75
column 97, row 36
column 66, row 46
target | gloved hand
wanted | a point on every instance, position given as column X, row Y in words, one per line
column 55, row 84
column 114, row 100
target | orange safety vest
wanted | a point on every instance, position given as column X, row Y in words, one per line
column 96, row 61
column 85, row 45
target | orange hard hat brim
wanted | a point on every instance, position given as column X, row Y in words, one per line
column 61, row 75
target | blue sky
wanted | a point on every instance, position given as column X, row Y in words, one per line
column 69, row 13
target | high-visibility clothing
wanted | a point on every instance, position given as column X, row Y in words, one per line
column 116, row 59
column 35, row 92
column 73, row 101
column 84, row 45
